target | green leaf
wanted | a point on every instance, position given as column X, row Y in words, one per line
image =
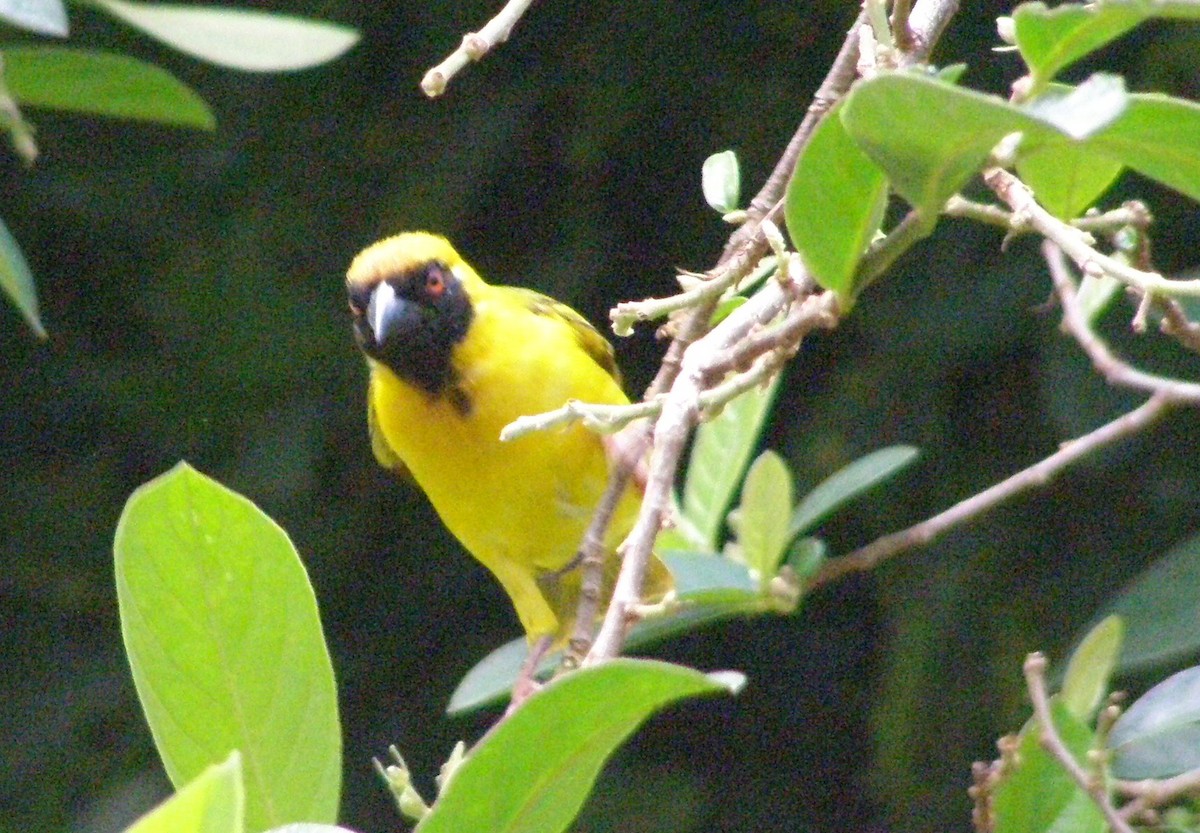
column 243, row 39
column 927, row 166
column 305, row 827
column 223, row 637
column 1083, row 111
column 719, row 456
column 17, row 281
column 532, row 773
column 1160, row 609
column 103, row 84
column 805, row 556
column 1085, row 685
column 721, row 181
column 1066, row 177
column 1158, row 137
column 1159, row 735
column 710, row 588
column 1096, row 294
column 1052, row 39
column 212, row 802
column 45, row 17
column 848, row 483
column 1036, row 794
column 834, row 205
column 763, row 516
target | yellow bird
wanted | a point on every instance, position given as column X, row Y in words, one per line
column 452, row 361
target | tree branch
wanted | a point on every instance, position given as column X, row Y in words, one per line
column 474, row 46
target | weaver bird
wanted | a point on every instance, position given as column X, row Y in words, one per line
column 453, row 360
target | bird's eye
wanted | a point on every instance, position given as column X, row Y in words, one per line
column 435, row 281
column 359, row 297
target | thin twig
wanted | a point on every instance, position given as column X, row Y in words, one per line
column 1113, row 369
column 1077, row 244
column 474, row 46
column 1150, row 794
column 1040, row 473
column 1178, row 326
column 1035, row 682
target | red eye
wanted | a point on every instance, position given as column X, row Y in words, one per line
column 435, row 283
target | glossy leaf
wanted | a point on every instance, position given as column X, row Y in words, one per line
column 1159, row 735
column 720, row 452
column 927, row 166
column 45, row 17
column 244, row 39
column 1082, row 111
column 1052, row 39
column 834, row 205
column 1067, row 177
column 1160, row 609
column 212, row 802
column 222, row 633
column 710, row 588
column 764, row 515
column 103, row 84
column 535, row 770
column 721, row 180
column 1037, row 795
column 17, row 281
column 1086, row 682
column 849, row 482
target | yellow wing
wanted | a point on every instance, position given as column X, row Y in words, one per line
column 587, row 336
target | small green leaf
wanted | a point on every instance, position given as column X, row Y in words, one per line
column 1037, row 795
column 1159, row 735
column 834, row 205
column 724, row 307
column 45, row 17
column 17, row 281
column 806, row 555
column 548, row 753
column 243, row 39
column 719, row 456
column 763, row 516
column 223, row 637
column 1085, row 684
column 721, row 180
column 103, row 84
column 1096, row 294
column 848, row 483
column 1160, row 609
column 1052, row 39
column 212, row 802
column 710, row 588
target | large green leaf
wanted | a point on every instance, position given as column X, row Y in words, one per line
column 221, row 628
column 1159, row 137
column 1067, row 177
column 1160, row 609
column 709, row 587
column 834, row 205
column 46, row 17
column 244, row 39
column 849, row 482
column 927, row 167
column 534, row 771
column 719, row 456
column 17, row 281
column 103, row 84
column 1037, row 795
column 212, row 802
column 1159, row 735
column 1052, row 39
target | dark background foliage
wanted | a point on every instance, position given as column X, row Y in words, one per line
column 192, row 287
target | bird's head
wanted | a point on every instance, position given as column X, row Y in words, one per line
column 410, row 299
